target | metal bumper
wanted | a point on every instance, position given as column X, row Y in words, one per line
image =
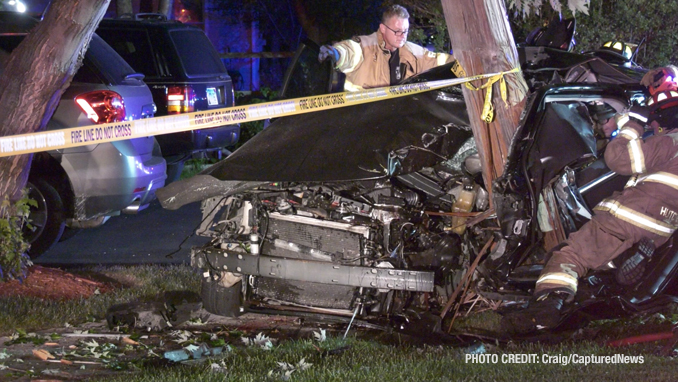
column 312, row 271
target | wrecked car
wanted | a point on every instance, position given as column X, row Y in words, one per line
column 378, row 211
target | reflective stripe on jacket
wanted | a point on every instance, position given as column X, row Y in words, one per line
column 364, row 60
column 650, row 198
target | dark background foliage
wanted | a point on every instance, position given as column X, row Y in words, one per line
column 652, row 24
column 284, row 23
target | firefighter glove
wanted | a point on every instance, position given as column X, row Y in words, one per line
column 328, row 51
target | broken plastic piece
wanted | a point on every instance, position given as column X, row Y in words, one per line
column 194, row 352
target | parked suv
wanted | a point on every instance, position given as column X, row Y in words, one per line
column 81, row 187
column 185, row 74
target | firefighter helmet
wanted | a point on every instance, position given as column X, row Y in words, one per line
column 621, row 48
column 600, row 113
column 661, row 83
column 666, row 117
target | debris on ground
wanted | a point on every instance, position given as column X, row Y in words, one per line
column 167, row 310
column 94, row 350
column 192, row 352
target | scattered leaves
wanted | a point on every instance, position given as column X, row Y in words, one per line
column 21, row 337
column 320, row 336
column 219, row 367
column 181, row 336
column 197, row 321
column 104, row 351
column 284, row 370
column 260, row 340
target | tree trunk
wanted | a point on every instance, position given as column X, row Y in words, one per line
column 482, row 43
column 314, row 31
column 165, row 8
column 146, row 6
column 123, row 8
column 37, row 73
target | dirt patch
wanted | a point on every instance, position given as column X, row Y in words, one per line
column 69, row 353
column 53, row 284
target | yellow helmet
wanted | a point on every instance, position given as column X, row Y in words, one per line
column 621, row 48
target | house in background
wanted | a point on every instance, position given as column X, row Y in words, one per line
column 236, row 35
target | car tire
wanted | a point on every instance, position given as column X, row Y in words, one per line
column 47, row 221
column 220, row 300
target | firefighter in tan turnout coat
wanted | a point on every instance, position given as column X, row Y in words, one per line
column 647, row 208
column 384, row 58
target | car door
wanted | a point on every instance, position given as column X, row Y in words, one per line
column 306, row 76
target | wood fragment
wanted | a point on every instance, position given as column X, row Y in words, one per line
column 42, row 354
column 467, row 279
column 14, row 369
column 66, row 362
column 75, row 362
column 129, row 341
column 51, row 344
column 95, row 335
column 79, row 279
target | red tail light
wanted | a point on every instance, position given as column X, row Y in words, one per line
column 180, row 99
column 102, row 106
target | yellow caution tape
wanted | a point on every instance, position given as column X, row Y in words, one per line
column 94, row 134
column 458, row 70
column 487, row 114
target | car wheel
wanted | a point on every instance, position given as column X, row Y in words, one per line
column 46, row 220
column 220, row 300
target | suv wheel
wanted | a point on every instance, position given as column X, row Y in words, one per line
column 46, row 220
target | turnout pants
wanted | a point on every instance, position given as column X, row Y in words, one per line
column 593, row 246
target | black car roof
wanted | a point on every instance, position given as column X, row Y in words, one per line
column 146, row 23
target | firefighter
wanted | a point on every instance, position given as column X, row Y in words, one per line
column 647, row 208
column 385, row 57
column 604, row 124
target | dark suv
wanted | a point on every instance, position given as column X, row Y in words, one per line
column 81, row 187
column 185, row 74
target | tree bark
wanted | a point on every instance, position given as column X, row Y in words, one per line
column 482, row 43
column 313, row 29
column 165, row 8
column 36, row 75
column 124, row 8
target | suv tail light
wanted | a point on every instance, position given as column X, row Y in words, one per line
column 180, row 99
column 102, row 106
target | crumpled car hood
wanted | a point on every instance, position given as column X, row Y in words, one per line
column 351, row 143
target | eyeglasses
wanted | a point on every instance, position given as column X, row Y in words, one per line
column 397, row 33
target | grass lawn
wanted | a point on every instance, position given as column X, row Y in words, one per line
column 357, row 358
column 364, row 360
